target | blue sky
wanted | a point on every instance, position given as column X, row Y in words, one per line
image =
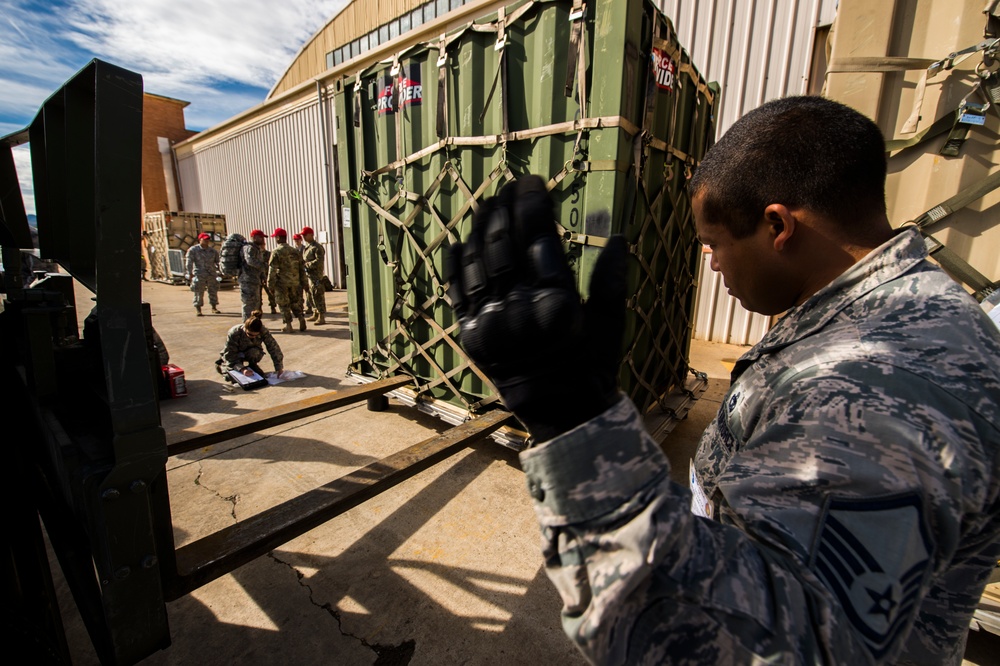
column 222, row 56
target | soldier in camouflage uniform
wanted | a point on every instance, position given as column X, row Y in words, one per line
column 314, row 257
column 202, row 268
column 845, row 503
column 286, row 277
column 244, row 348
column 253, row 272
column 300, row 246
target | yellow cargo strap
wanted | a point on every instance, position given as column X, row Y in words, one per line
column 898, row 64
column 939, row 126
column 950, row 261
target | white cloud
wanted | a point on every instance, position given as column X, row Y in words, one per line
column 222, row 55
column 22, row 164
column 180, row 43
column 21, row 99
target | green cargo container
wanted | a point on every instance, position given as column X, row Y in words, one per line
column 425, row 137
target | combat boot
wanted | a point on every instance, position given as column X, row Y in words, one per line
column 215, row 310
column 287, row 328
column 302, row 323
column 274, row 310
column 314, row 316
column 197, row 309
column 321, row 319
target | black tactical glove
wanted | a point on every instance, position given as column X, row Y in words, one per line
column 554, row 359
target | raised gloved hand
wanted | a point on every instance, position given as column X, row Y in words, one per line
column 554, row 359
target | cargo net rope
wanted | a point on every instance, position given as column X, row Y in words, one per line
column 663, row 250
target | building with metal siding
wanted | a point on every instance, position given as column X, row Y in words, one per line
column 258, row 168
column 267, row 173
column 756, row 49
column 272, row 166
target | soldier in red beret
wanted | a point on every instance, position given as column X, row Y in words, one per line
column 315, row 260
column 286, row 277
column 202, row 270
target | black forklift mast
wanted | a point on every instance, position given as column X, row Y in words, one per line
column 90, row 452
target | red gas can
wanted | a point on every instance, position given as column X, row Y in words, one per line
column 175, row 380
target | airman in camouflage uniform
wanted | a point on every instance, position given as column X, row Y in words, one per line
column 300, row 246
column 202, row 268
column 245, row 347
column 314, row 257
column 253, row 272
column 286, row 277
column 845, row 503
column 850, row 481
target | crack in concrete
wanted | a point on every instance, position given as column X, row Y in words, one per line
column 232, row 499
column 386, row 655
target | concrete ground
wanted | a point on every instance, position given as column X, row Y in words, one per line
column 445, row 568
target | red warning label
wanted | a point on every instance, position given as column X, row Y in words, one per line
column 403, row 90
column 664, row 69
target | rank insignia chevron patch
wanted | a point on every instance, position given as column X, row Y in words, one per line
column 874, row 555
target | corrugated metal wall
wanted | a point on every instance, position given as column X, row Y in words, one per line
column 272, row 173
column 757, row 50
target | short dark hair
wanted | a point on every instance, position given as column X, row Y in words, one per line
column 807, row 152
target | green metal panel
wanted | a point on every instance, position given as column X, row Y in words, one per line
column 427, row 136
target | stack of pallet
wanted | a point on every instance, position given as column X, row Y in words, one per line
column 169, row 234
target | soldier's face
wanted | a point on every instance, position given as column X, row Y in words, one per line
column 203, row 242
column 308, row 238
column 750, row 269
column 259, row 240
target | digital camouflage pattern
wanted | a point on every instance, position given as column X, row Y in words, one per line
column 852, row 473
column 202, row 266
column 313, row 254
column 286, row 277
column 253, row 271
column 241, row 349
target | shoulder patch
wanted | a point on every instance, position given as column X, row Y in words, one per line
column 874, row 555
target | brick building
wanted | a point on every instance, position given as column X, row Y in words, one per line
column 162, row 127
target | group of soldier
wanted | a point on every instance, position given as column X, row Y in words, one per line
column 283, row 274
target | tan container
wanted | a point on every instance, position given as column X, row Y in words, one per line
column 920, row 177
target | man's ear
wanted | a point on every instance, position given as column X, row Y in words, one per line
column 781, row 225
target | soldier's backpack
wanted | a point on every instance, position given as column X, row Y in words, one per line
column 231, row 255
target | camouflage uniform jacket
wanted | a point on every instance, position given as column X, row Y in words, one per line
column 254, row 268
column 852, row 473
column 238, row 343
column 314, row 254
column 286, row 269
column 202, row 261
